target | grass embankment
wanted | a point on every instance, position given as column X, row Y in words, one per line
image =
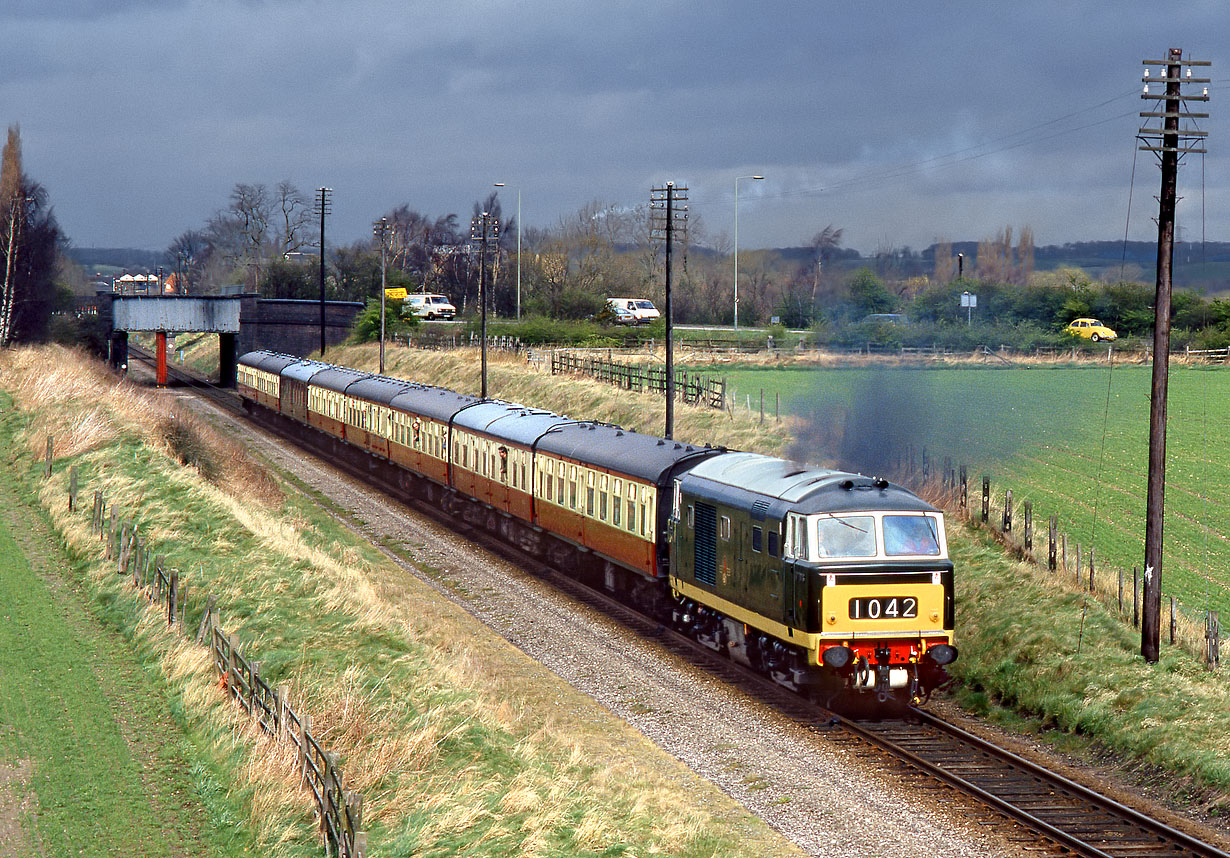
column 456, row 741
column 1034, row 650
column 91, row 760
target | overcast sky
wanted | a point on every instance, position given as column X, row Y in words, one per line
column 902, row 123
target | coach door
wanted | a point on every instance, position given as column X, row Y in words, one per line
column 794, row 572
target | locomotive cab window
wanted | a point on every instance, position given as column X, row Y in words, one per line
column 911, row 535
column 846, row 536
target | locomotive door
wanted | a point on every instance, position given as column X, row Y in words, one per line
column 794, row 571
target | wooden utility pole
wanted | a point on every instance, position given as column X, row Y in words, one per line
column 322, row 208
column 484, row 228
column 666, row 217
column 1168, row 142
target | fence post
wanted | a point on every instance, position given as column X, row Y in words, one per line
column 1173, row 624
column 1065, row 552
column 305, row 730
column 172, row 597
column 1078, row 564
column 1091, row 570
column 986, row 498
column 1029, row 526
column 72, row 488
column 964, row 488
column 1008, row 511
column 254, row 675
column 1121, row 589
column 1051, row 534
column 207, row 621
column 282, row 696
column 50, row 454
column 1135, row 597
column 232, row 670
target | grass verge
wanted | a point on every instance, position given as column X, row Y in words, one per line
column 457, row 743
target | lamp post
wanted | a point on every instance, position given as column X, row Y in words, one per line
column 737, row 178
column 381, row 230
column 500, row 185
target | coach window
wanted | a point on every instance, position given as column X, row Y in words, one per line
column 572, row 486
column 589, row 493
column 631, row 508
column 616, row 500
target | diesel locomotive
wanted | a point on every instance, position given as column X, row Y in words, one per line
column 833, row 584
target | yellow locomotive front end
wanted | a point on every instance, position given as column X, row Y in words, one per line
column 884, row 585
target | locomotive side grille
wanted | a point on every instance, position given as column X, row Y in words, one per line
column 705, row 546
column 759, row 509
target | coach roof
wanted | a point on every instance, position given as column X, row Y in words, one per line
column 642, row 456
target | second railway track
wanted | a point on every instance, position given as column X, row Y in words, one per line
column 1064, row 816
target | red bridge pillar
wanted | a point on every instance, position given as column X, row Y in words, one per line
column 162, row 358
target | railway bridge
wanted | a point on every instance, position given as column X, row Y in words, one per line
column 243, row 323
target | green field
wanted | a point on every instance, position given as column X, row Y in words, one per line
column 1072, row 440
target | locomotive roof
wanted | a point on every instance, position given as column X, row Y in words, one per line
column 437, row 403
column 806, row 488
column 642, row 456
column 515, row 423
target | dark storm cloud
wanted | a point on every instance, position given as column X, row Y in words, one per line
column 902, row 124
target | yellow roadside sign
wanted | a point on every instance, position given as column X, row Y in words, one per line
column 398, row 294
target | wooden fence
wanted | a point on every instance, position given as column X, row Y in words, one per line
column 339, row 811
column 1016, row 525
column 691, row 388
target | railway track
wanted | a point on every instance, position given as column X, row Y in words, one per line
column 1065, row 817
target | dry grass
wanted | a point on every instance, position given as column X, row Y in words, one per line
column 85, row 407
column 452, row 737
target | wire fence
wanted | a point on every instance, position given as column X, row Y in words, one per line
column 339, row 811
column 1015, row 524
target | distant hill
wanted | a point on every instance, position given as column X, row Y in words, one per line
column 128, row 258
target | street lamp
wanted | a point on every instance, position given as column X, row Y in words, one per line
column 737, row 178
column 381, row 230
column 500, row 185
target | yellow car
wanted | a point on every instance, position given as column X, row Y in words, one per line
column 1090, row 329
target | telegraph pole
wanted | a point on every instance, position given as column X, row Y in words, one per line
column 322, row 208
column 381, row 229
column 1169, row 143
column 665, row 219
column 483, row 227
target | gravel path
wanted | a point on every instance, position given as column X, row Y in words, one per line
column 829, row 799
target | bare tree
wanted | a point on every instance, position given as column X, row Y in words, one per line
column 296, row 218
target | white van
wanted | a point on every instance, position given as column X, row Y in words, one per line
column 638, row 310
column 427, row 306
